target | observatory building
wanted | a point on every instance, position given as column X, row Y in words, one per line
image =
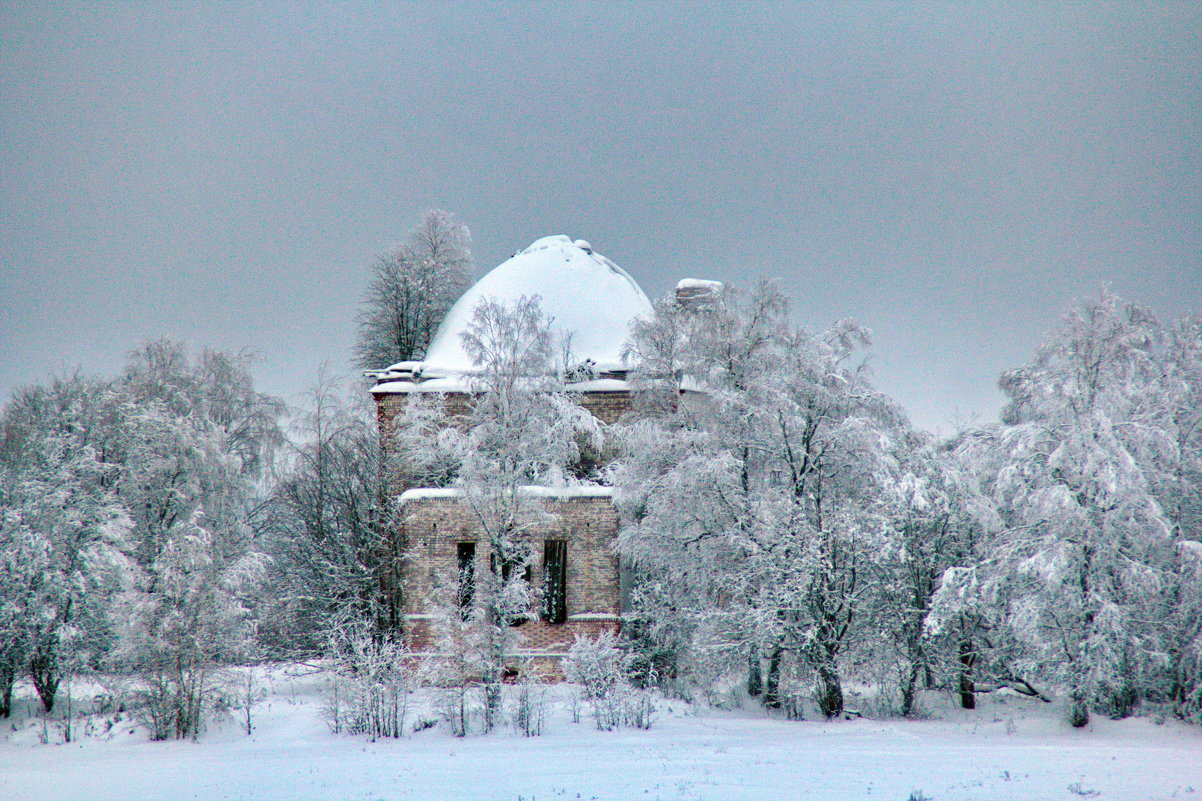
column 440, row 547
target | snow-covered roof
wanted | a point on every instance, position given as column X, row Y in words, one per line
column 389, row 384
column 699, row 284
column 530, row 491
column 584, row 294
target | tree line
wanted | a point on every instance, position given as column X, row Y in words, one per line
column 787, row 527
column 790, row 518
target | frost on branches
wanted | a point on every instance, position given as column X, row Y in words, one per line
column 65, row 536
column 1091, row 577
column 127, row 508
column 411, row 289
column 323, row 525
column 522, row 430
column 753, row 508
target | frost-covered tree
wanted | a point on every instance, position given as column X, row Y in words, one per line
column 324, row 527
column 939, row 521
column 522, row 430
column 195, row 442
column 1179, row 488
column 20, row 560
column 755, row 511
column 98, row 477
column 1075, row 574
column 190, row 432
column 175, row 630
column 411, row 289
column 64, row 535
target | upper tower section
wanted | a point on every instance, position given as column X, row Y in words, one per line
column 590, row 301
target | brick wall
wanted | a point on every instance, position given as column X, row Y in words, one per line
column 605, row 406
column 433, row 527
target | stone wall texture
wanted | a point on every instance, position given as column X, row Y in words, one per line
column 431, row 529
column 607, row 407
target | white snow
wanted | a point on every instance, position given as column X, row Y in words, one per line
column 580, row 491
column 599, row 385
column 584, row 293
column 449, row 384
column 700, row 283
column 1012, row 749
column 460, row 383
column 464, row 384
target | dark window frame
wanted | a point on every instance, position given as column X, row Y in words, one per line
column 465, row 553
column 555, row 581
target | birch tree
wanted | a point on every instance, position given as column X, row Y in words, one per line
column 754, row 512
column 195, row 442
column 523, row 430
column 65, row 535
column 1180, row 489
column 410, row 291
column 1075, row 573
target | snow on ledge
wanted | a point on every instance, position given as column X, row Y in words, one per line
column 700, row 283
column 463, row 384
column 456, row 384
column 556, row 493
column 599, row 385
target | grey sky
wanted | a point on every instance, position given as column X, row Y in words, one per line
column 952, row 176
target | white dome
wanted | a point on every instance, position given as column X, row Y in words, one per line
column 584, row 294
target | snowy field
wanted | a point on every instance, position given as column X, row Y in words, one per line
column 1011, row 748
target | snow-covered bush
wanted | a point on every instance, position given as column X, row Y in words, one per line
column 596, row 665
column 529, row 704
column 373, row 685
column 599, row 667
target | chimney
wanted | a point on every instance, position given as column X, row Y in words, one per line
column 697, row 293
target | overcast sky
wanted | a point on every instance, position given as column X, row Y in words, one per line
column 953, row 177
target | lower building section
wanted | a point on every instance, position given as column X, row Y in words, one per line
column 568, row 585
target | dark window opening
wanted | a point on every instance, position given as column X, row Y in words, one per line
column 467, row 577
column 506, row 568
column 555, row 581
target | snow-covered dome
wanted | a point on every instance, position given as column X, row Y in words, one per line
column 584, row 294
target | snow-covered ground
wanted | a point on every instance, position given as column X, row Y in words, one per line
column 1011, row 748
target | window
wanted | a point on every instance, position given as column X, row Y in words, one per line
column 467, row 577
column 555, row 581
column 506, row 568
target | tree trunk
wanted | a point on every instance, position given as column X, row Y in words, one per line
column 1078, row 710
column 8, row 676
column 755, row 681
column 492, row 704
column 44, row 674
column 830, row 691
column 968, row 657
column 772, row 686
column 907, row 690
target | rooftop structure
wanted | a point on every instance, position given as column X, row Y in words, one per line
column 590, row 301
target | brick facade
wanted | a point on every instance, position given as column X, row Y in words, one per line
column 433, row 528
column 607, row 407
column 432, row 525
